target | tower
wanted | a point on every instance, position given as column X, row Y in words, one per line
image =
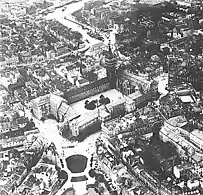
column 110, row 65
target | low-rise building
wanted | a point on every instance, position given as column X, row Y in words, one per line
column 47, row 173
column 41, row 106
column 137, row 97
column 128, row 82
column 129, row 125
column 42, row 178
column 83, row 122
column 129, row 104
column 97, row 49
column 116, row 108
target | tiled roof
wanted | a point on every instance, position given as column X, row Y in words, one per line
column 73, row 92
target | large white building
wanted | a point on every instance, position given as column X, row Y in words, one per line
column 41, row 106
column 196, row 136
column 52, row 104
column 84, row 121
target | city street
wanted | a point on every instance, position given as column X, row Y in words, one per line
column 49, row 131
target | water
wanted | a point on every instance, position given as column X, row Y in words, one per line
column 59, row 15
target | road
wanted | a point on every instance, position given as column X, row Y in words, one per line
column 49, row 131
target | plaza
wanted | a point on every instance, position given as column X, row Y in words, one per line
column 112, row 94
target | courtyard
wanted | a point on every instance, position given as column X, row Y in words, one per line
column 112, row 94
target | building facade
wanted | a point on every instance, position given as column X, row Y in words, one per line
column 82, row 123
column 116, row 108
column 128, row 83
column 86, row 91
column 41, row 106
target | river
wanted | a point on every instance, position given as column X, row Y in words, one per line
column 59, row 15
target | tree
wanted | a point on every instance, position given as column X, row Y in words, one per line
column 92, row 173
column 101, row 189
column 90, row 105
column 107, row 100
column 129, row 183
column 104, row 100
column 101, row 96
column 43, row 119
column 62, row 175
column 100, row 178
column 86, row 103
column 30, row 125
column 101, row 99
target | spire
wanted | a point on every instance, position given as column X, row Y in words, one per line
column 109, row 46
column 110, row 54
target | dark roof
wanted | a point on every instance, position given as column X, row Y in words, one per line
column 22, row 120
column 82, row 81
column 16, row 86
column 69, row 191
column 86, row 87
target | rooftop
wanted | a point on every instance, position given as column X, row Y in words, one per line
column 198, row 134
column 41, row 100
column 86, row 87
column 177, row 121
